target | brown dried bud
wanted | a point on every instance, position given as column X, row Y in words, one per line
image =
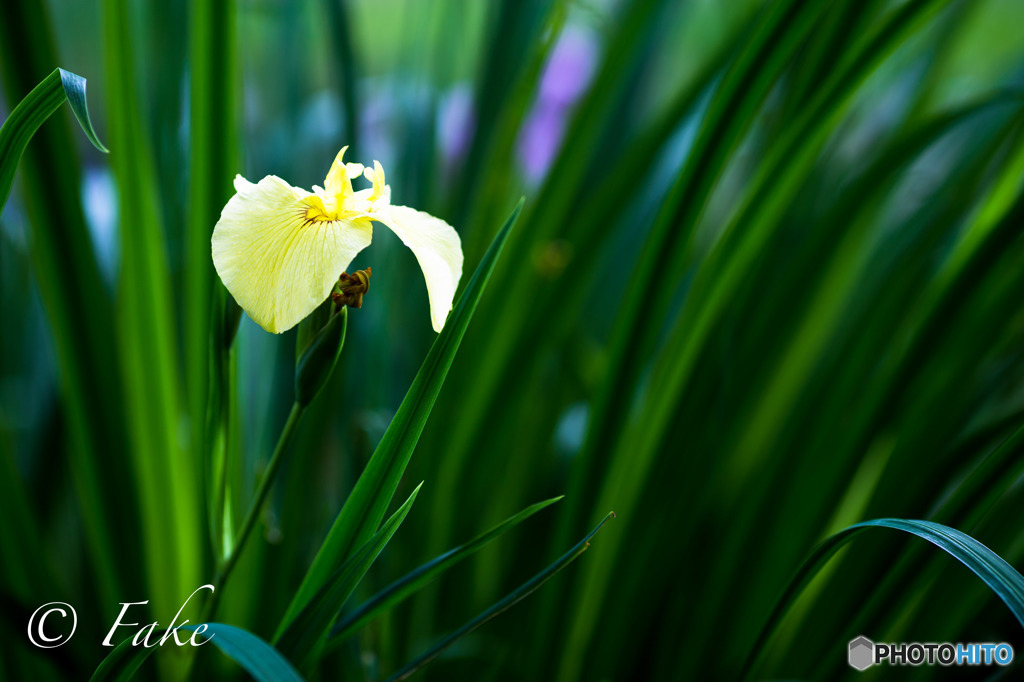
column 350, row 289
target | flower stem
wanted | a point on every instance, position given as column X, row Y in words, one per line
column 222, row 450
column 254, row 512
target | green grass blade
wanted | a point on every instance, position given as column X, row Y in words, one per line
column 78, row 306
column 168, row 478
column 511, row 57
column 761, row 59
column 893, row 597
column 409, row 584
column 1001, row 577
column 347, row 67
column 213, row 162
column 365, row 507
column 713, row 290
column 74, row 89
column 29, row 570
column 59, row 87
column 258, row 658
column 485, row 179
column 305, row 633
column 979, row 492
column 586, row 215
column 523, row 591
column 121, row 664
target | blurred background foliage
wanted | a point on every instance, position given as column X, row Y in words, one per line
column 766, row 285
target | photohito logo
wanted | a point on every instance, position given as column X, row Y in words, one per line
column 862, row 653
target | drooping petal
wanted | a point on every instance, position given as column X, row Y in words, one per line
column 438, row 249
column 275, row 253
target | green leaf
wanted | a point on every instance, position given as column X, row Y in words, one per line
column 1000, row 576
column 258, row 658
column 166, row 469
column 720, row 275
column 76, row 300
column 523, row 591
column 409, row 584
column 28, row 563
column 302, row 637
column 123, row 662
column 316, row 364
column 59, row 87
column 209, row 316
column 74, row 90
column 346, row 69
column 365, row 507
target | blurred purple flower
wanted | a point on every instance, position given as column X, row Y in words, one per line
column 570, row 67
column 566, row 77
column 456, row 121
column 540, row 138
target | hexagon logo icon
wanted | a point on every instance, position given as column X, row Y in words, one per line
column 862, row 653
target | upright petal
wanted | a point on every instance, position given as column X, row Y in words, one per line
column 340, row 176
column 337, row 181
column 276, row 260
column 438, row 249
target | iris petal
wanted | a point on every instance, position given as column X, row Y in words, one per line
column 277, row 263
column 438, row 250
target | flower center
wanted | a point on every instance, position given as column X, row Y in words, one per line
column 339, row 201
column 320, row 208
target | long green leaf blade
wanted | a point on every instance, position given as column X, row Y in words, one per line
column 365, row 507
column 258, row 658
column 1000, row 576
column 213, row 140
column 166, row 469
column 410, row 583
column 122, row 662
column 78, row 306
column 312, row 625
column 523, row 591
column 59, row 87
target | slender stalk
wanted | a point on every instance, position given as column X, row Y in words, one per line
column 166, row 471
column 221, row 445
column 213, row 162
column 254, row 511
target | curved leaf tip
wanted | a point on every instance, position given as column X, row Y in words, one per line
column 74, row 90
column 259, row 659
column 1002, row 578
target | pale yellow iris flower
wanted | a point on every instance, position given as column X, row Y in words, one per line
column 279, row 249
